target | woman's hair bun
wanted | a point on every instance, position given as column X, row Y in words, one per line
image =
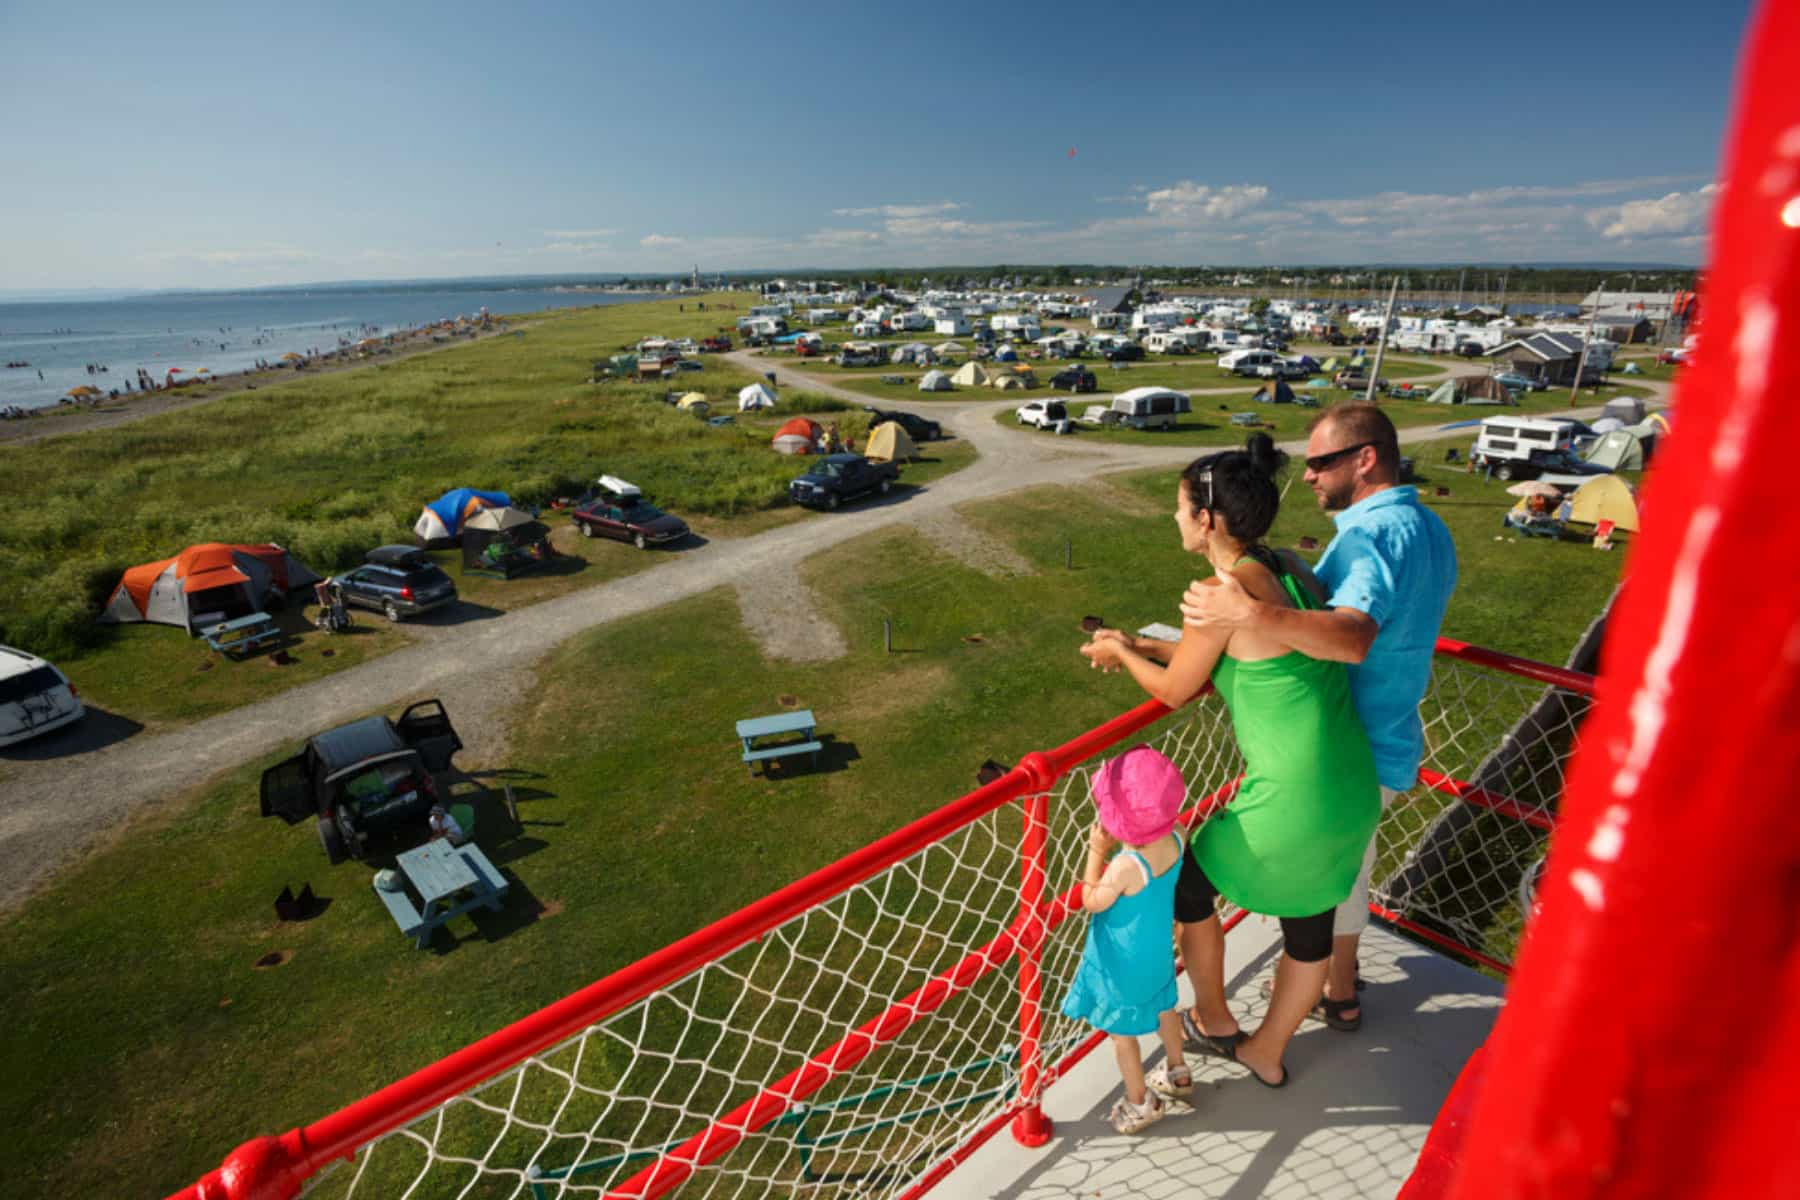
column 1263, row 454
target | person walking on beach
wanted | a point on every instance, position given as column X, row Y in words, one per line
column 1389, row 573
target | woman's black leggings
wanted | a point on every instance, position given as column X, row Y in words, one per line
column 1306, row 939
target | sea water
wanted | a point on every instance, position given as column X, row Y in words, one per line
column 229, row 331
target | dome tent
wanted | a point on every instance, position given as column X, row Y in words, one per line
column 890, row 443
column 798, row 436
column 755, row 396
column 971, row 374
column 441, row 521
column 1604, row 498
column 212, row 578
column 935, row 381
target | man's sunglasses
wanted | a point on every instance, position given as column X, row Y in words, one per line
column 1323, row 462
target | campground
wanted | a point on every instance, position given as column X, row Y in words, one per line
column 580, row 693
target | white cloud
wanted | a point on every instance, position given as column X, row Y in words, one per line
column 842, row 237
column 926, row 228
column 654, row 240
column 898, row 210
column 1188, row 202
column 1678, row 214
column 578, row 235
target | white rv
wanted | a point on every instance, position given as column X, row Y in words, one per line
column 1521, row 447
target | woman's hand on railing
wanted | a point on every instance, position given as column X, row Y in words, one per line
column 1103, row 649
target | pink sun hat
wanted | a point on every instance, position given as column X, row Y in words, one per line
column 1139, row 795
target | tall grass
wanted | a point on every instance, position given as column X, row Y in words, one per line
column 330, row 466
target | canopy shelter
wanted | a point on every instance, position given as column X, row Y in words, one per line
column 500, row 517
column 935, row 381
column 754, row 396
column 1617, row 450
column 890, row 443
column 205, row 584
column 971, row 374
column 1471, row 389
column 798, row 436
column 442, row 519
column 504, row 539
column 1605, row 498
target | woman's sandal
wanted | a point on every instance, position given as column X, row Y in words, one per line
column 1195, row 1038
column 1285, row 1073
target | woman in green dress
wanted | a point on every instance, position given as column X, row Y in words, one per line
column 1290, row 842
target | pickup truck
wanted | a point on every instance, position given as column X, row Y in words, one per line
column 835, row 478
column 715, row 345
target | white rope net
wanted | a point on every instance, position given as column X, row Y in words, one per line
column 584, row 1117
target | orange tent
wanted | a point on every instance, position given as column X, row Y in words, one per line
column 798, row 436
column 204, row 583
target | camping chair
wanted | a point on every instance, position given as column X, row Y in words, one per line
column 464, row 816
column 1533, row 524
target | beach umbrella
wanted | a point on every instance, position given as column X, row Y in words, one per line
column 290, row 356
column 84, row 390
column 176, row 371
column 1534, row 487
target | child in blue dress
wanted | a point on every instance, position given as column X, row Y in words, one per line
column 1125, row 985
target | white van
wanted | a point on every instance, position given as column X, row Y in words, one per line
column 1151, row 407
column 35, row 697
column 1522, row 447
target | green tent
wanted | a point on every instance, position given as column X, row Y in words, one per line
column 1331, row 364
column 1617, row 451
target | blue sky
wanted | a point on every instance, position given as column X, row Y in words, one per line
column 229, row 145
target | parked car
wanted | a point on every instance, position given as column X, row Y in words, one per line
column 1042, row 414
column 616, row 509
column 1129, row 352
column 373, row 776
column 1334, row 337
column 689, row 364
column 35, row 697
column 835, row 478
column 1410, row 391
column 397, row 581
column 1354, row 379
column 1672, row 356
column 715, row 345
column 1512, row 381
column 1470, row 350
column 1075, row 379
column 918, row 428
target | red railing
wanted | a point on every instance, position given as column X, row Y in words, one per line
column 275, row 1168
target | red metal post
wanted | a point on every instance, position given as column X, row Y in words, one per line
column 1031, row 1127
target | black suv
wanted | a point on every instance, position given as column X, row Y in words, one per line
column 917, row 428
column 837, row 477
column 1075, row 379
column 1130, row 352
column 398, row 580
column 370, row 776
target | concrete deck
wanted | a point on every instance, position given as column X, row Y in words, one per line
column 1350, row 1123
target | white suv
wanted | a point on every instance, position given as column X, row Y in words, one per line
column 1044, row 414
column 35, row 697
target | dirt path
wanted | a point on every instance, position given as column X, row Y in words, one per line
column 55, row 806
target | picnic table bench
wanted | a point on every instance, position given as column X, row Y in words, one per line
column 751, row 731
column 241, row 635
column 441, row 874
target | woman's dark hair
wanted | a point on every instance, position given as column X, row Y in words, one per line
column 1239, row 486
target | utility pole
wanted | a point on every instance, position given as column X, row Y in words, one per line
column 1387, row 318
column 1581, row 363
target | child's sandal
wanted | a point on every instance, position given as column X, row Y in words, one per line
column 1176, row 1083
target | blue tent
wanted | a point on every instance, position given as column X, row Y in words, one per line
column 1006, row 354
column 441, row 521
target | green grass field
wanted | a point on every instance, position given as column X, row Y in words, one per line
column 144, row 1041
column 332, row 465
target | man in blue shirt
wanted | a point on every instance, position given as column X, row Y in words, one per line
column 1388, row 575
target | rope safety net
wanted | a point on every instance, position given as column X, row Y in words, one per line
column 848, row 1050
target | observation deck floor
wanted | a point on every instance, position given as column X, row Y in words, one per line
column 1350, row 1123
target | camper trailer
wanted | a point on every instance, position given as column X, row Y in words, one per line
column 1150, row 407
column 909, row 322
column 1109, row 320
column 1523, row 448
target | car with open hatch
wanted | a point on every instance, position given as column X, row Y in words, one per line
column 835, row 478
column 397, row 581
column 618, row 510
column 35, row 697
column 371, row 777
column 1042, row 414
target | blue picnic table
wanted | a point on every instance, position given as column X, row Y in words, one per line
column 752, row 731
column 448, row 880
column 242, row 635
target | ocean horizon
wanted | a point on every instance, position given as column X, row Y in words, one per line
column 104, row 343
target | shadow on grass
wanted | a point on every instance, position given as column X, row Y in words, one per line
column 833, row 756
column 98, row 729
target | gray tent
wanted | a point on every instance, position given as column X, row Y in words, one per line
column 1628, row 409
column 1471, row 389
column 1617, row 451
column 935, row 381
